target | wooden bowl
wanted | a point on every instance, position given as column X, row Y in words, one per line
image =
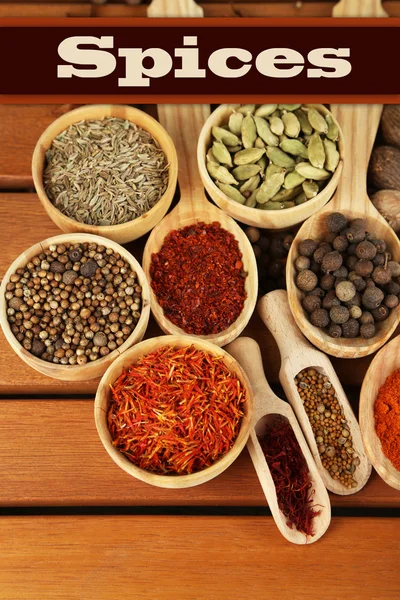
column 94, row 369
column 126, row 232
column 385, row 362
column 266, row 219
column 130, row 357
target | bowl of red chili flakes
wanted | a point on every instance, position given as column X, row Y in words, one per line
column 174, row 411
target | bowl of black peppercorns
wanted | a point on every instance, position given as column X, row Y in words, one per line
column 72, row 304
column 344, row 285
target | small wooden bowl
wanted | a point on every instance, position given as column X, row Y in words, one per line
column 130, row 357
column 266, row 219
column 94, row 369
column 385, row 362
column 126, row 232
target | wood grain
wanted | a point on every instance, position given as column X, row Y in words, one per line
column 196, row 558
column 23, row 222
column 51, row 455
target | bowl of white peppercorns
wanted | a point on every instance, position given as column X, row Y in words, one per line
column 72, row 304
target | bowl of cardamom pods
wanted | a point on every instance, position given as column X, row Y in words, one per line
column 271, row 165
column 108, row 170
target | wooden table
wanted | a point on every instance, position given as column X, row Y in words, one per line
column 75, row 526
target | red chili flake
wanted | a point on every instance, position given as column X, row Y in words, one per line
column 198, row 278
column 291, row 476
column 176, row 411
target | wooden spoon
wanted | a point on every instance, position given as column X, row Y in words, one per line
column 359, row 124
column 297, row 354
column 184, row 124
column 385, row 362
column 267, row 407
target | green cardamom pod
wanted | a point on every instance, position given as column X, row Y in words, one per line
column 272, row 169
column 220, row 173
column 271, row 206
column 234, row 149
column 294, row 147
column 317, row 121
column 278, row 157
column 292, row 180
column 304, row 122
column 270, row 187
column 211, row 157
column 245, row 172
column 226, row 137
column 333, row 129
column 247, row 156
column 263, row 163
column 251, row 184
column 331, row 156
column 222, row 154
column 284, row 195
column 235, row 123
column 265, row 133
column 316, row 152
column 249, row 132
column 231, row 192
column 247, row 109
column 309, row 172
column 276, row 125
column 310, row 188
column 259, row 143
column 289, row 107
column 291, row 124
column 288, row 204
column 300, row 199
column 265, row 110
column 251, row 201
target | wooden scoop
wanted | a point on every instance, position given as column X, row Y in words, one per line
column 267, row 406
column 384, row 364
column 184, row 124
column 359, row 124
column 297, row 354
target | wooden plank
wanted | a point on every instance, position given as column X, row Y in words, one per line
column 50, row 454
column 195, row 558
column 23, row 222
column 12, row 9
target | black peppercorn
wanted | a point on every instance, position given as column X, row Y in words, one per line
column 302, row 263
column 320, row 317
column 381, row 313
column 339, row 314
column 89, row 268
column 69, row 277
column 368, row 331
column 335, row 331
column 363, row 267
column 366, row 250
column 306, row 280
column 378, row 260
column 372, row 298
column 75, row 255
column 38, row 348
column 56, row 267
column 330, row 300
column 380, row 245
column 351, row 328
column 321, row 251
column 381, row 275
column 327, row 282
column 340, row 243
column 308, row 247
column 391, row 301
column 335, row 222
column 392, row 288
column 366, row 318
column 310, row 303
column 331, row 261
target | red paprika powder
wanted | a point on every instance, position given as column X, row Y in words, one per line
column 198, row 278
column 387, row 418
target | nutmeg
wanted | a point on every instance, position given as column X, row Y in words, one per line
column 390, row 124
column 387, row 202
column 384, row 168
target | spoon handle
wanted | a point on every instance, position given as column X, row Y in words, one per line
column 174, row 8
column 274, row 310
column 183, row 122
column 247, row 352
column 359, row 124
column 358, row 8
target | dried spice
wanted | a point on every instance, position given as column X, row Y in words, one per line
column 198, row 278
column 291, row 476
column 329, row 424
column 105, row 172
column 176, row 411
column 80, row 309
column 387, row 418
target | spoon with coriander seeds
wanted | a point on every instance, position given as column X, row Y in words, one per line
column 292, row 485
column 319, row 401
column 199, row 262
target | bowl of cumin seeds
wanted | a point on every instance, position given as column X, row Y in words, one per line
column 108, row 170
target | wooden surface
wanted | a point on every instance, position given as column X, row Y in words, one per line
column 386, row 361
column 266, row 406
column 51, row 455
column 360, row 124
column 268, row 219
column 197, row 558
